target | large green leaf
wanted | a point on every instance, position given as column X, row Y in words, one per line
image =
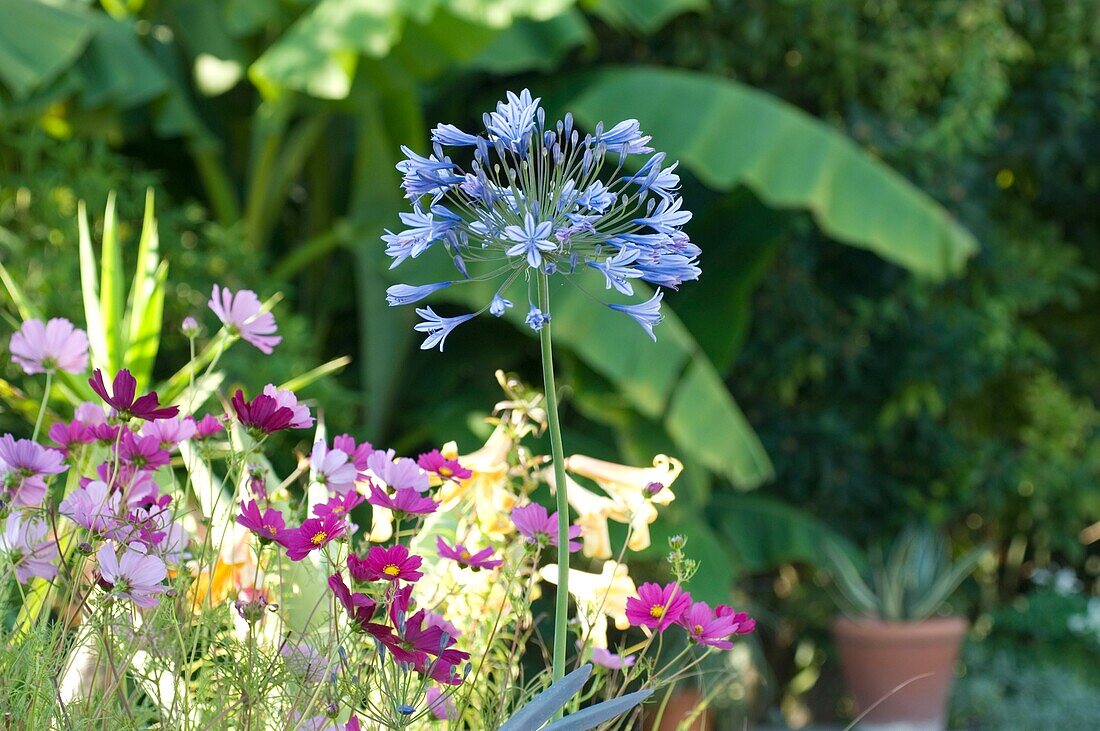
column 736, row 135
column 646, row 16
column 37, row 42
column 530, row 44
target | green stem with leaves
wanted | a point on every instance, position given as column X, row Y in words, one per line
column 561, row 607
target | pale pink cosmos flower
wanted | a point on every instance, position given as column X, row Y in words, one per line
column 23, row 467
column 93, row 506
column 90, row 413
column 242, row 314
column 606, row 659
column 440, row 705
column 332, row 468
column 170, row 432
column 397, row 473
column 304, row 661
column 287, row 400
column 135, row 576
column 54, row 346
column 27, row 548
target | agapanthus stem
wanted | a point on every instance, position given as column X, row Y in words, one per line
column 561, row 607
column 42, row 407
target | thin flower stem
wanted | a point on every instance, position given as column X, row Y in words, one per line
column 42, row 408
column 561, row 607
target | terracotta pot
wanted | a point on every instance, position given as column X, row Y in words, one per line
column 877, row 657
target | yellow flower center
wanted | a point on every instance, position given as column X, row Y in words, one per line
column 465, row 555
column 318, row 538
column 271, row 529
column 657, row 611
column 391, row 570
column 698, row 629
column 445, row 471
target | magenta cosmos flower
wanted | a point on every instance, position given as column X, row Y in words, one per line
column 242, row 314
column 311, row 535
column 412, row 642
column 208, row 426
column 360, row 607
column 406, row 500
column 136, row 576
column 271, row 411
column 447, row 469
column 745, row 623
column 708, row 628
column 333, row 468
column 27, row 548
column 656, row 606
column 267, row 525
column 55, row 346
column 385, row 564
column 338, row 506
column 532, row 520
column 121, row 398
column 358, row 452
column 141, row 453
column 24, row 466
column 480, row 560
column 440, row 704
column 71, row 436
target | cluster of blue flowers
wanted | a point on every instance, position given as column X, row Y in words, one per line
column 542, row 199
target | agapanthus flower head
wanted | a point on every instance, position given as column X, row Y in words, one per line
column 707, row 627
column 24, row 465
column 445, row 469
column 25, row 545
column 657, row 607
column 242, row 313
column 311, row 535
column 385, row 564
column 522, row 195
column 465, row 557
column 405, row 500
column 53, row 346
column 135, row 576
column 533, row 521
column 122, row 399
column 268, row 525
column 333, row 468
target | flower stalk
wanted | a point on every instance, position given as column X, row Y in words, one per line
column 557, row 453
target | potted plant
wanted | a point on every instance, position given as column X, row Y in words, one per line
column 898, row 658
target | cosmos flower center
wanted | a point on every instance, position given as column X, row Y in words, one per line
column 445, row 471
column 657, row 611
column 464, row 555
column 698, row 629
column 318, row 538
column 391, row 570
column 271, row 529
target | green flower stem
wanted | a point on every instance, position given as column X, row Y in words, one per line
column 42, row 407
column 561, row 607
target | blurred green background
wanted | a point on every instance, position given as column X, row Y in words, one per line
column 897, row 318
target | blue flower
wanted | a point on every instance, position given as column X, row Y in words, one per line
column 647, row 314
column 536, row 318
column 404, row 294
column 498, row 305
column 531, row 239
column 437, row 327
column 523, row 196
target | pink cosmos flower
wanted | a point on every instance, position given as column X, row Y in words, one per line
column 170, row 432
column 447, row 469
column 106, row 434
column 413, row 642
column 267, row 525
column 71, row 436
column 242, row 315
column 304, row 661
column 385, row 564
column 745, row 623
column 313, row 534
column 461, row 554
column 358, row 452
column 137, row 486
column 136, row 576
column 23, row 468
column 360, row 607
column 208, row 426
column 332, row 469
column 93, row 506
column 707, row 628
column 532, row 520
column 397, row 473
column 406, row 500
column 265, row 415
column 27, row 548
column 606, row 659
column 287, row 400
column 440, row 704
column 121, row 398
column 141, row 453
column 57, row 345
column 90, row 413
column 443, row 669
column 656, row 606
column 338, row 506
